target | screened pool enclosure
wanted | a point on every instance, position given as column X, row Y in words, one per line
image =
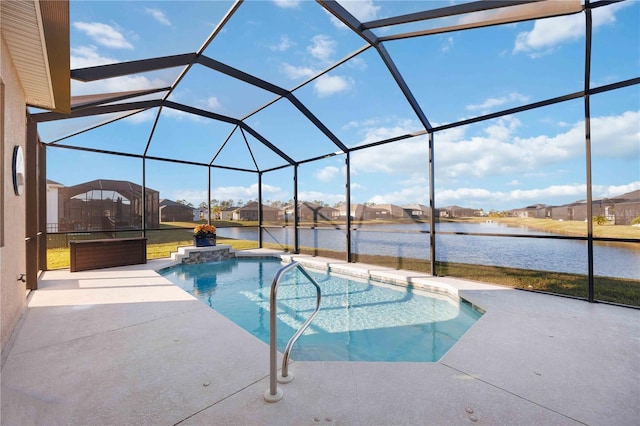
column 490, row 140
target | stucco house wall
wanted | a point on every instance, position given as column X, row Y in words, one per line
column 170, row 211
column 52, row 205
column 13, row 250
column 250, row 212
column 310, row 211
column 227, row 213
column 626, row 212
column 396, row 212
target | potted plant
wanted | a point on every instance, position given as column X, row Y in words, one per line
column 204, row 235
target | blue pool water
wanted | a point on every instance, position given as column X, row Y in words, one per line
column 358, row 320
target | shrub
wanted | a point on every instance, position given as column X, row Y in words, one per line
column 599, row 220
column 635, row 221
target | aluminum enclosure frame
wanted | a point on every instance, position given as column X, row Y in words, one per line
column 120, row 103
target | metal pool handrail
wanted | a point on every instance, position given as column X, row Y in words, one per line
column 274, row 394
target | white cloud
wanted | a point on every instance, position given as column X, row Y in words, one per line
column 322, row 50
column 327, row 174
column 287, row 4
column 181, row 115
column 614, row 190
column 325, row 197
column 322, row 47
column 615, row 135
column 296, row 73
column 363, row 10
column 192, row 196
column 328, row 85
column 158, row 15
column 549, row 33
column 484, row 198
column 213, row 103
column 248, row 192
column 87, row 56
column 118, row 84
column 499, row 151
column 270, row 191
column 447, row 44
column 103, row 34
column 408, row 195
column 357, row 63
column 478, row 197
column 141, row 117
column 492, row 103
column 377, row 129
column 538, row 194
column 503, row 152
column 403, row 156
column 283, row 45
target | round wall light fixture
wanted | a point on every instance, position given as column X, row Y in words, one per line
column 18, row 170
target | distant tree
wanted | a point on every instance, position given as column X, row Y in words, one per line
column 203, row 205
column 184, row 202
column 226, row 204
column 215, row 212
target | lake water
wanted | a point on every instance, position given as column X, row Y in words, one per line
column 412, row 241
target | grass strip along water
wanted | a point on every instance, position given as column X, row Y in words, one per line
column 607, row 289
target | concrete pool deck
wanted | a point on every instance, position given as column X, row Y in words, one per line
column 124, row 346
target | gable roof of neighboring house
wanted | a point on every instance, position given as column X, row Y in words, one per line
column 230, row 209
column 393, row 209
column 416, row 207
column 168, row 203
column 629, row 196
column 54, row 184
column 254, row 206
column 313, row 206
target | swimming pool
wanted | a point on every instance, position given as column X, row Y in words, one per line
column 359, row 320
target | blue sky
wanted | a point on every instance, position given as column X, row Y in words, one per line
column 532, row 157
